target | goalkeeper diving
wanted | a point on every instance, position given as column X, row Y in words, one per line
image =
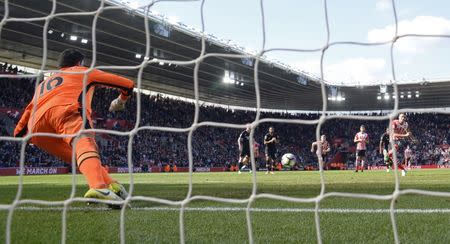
column 58, row 109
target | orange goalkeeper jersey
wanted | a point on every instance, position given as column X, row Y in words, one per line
column 67, row 89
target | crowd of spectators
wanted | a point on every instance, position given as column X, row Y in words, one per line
column 6, row 68
column 211, row 145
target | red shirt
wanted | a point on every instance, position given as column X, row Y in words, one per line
column 362, row 144
column 325, row 146
column 399, row 128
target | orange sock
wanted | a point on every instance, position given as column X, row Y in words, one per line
column 93, row 171
column 89, row 163
column 106, row 177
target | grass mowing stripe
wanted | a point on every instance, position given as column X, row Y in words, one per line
column 235, row 209
column 420, row 218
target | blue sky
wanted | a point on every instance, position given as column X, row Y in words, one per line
column 301, row 24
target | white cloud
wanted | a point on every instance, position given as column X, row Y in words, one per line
column 312, row 66
column 384, row 4
column 360, row 70
column 364, row 70
column 423, row 25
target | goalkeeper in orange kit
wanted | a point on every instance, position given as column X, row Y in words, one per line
column 58, row 109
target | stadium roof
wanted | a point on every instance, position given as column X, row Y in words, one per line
column 120, row 39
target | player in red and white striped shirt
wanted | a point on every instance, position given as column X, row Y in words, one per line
column 446, row 155
column 408, row 157
column 401, row 128
column 323, row 143
column 361, row 140
column 400, row 134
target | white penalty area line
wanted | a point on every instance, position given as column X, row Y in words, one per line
column 237, row 209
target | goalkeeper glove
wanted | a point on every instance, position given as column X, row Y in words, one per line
column 117, row 105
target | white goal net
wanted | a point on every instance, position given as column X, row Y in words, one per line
column 64, row 206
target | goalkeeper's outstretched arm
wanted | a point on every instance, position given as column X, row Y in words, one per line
column 111, row 80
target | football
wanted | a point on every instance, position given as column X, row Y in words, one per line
column 288, row 159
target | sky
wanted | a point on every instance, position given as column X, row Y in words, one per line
column 300, row 24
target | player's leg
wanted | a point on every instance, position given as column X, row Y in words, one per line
column 389, row 164
column 397, row 160
column 272, row 162
column 363, row 160
column 324, row 159
column 267, row 163
column 240, row 164
column 246, row 160
column 271, row 166
column 362, row 164
column 402, row 168
column 60, row 147
column 387, row 160
column 89, row 164
column 244, row 157
column 54, row 146
column 88, row 161
column 402, row 165
column 357, row 161
column 67, row 120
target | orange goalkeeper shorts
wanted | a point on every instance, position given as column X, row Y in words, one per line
column 65, row 119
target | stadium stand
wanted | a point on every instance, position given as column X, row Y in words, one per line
column 213, row 147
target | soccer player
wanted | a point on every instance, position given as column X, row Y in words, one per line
column 408, row 157
column 361, row 140
column 244, row 148
column 58, row 109
column 256, row 147
column 270, row 141
column 384, row 149
column 401, row 134
column 323, row 143
column 446, row 156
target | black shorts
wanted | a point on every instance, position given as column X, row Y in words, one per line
column 401, row 145
column 271, row 154
column 245, row 152
column 361, row 153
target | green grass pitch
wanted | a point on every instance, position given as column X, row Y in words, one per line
column 148, row 222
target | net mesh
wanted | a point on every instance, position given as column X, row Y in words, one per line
column 64, row 205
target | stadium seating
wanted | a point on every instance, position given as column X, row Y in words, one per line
column 212, row 146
